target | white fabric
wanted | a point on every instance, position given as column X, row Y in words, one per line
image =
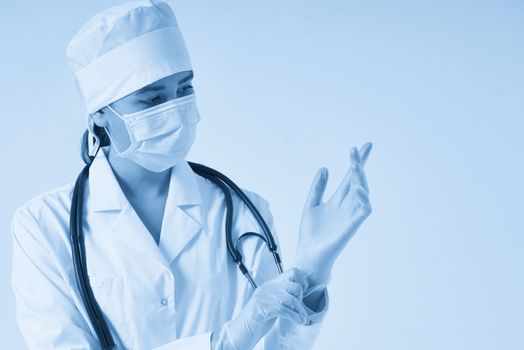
column 166, row 296
column 125, row 48
column 131, row 66
column 162, row 135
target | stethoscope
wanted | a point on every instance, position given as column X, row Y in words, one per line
column 79, row 256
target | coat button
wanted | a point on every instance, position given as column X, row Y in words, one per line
column 163, row 301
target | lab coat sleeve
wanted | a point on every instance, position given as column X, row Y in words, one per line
column 285, row 335
column 45, row 312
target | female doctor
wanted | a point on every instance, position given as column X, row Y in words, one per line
column 157, row 258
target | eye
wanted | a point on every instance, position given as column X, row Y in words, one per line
column 187, row 88
column 150, row 100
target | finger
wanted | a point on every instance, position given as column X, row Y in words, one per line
column 283, row 305
column 345, row 186
column 357, row 175
column 361, row 198
column 357, row 192
column 295, row 289
column 360, row 206
column 296, row 275
column 288, row 313
column 364, row 152
column 316, row 191
column 294, row 306
column 288, row 275
column 361, row 215
column 361, row 191
column 365, row 208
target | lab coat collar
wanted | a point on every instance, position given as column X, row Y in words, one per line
column 182, row 215
column 104, row 190
column 106, row 193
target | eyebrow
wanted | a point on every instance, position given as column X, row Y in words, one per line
column 160, row 87
column 189, row 77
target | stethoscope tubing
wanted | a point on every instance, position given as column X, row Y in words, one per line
column 79, row 262
column 79, row 256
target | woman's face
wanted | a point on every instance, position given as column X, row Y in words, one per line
column 160, row 91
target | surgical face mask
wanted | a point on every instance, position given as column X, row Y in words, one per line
column 160, row 136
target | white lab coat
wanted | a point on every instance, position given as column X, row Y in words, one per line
column 166, row 296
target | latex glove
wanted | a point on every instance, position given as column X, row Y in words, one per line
column 326, row 228
column 279, row 297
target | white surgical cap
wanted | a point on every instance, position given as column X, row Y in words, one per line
column 123, row 49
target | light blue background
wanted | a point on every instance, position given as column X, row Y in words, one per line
column 285, row 87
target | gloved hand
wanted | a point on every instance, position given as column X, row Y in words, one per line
column 326, row 228
column 279, row 297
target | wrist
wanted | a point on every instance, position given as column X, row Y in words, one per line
column 316, row 286
column 316, row 278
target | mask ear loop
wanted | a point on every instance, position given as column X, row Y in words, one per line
column 120, row 153
column 92, row 146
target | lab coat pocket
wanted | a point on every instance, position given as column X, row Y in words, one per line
column 109, row 294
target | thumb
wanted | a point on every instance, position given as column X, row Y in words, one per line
column 316, row 192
